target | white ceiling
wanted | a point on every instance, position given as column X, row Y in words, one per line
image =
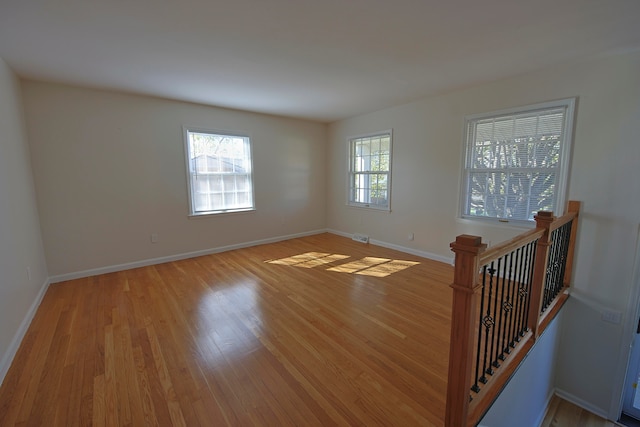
column 317, row 59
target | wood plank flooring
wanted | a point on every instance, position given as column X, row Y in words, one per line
column 562, row 413
column 315, row 331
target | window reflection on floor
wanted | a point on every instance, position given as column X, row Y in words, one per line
column 368, row 266
column 220, row 336
column 309, row 259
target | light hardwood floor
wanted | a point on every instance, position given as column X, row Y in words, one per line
column 315, row 331
column 565, row 414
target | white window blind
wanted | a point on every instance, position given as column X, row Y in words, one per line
column 370, row 170
column 219, row 172
column 516, row 162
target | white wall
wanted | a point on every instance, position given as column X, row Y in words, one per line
column 535, row 379
column 605, row 176
column 20, row 241
column 109, row 170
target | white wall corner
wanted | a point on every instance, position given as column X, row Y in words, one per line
column 12, row 350
column 582, row 403
column 546, row 408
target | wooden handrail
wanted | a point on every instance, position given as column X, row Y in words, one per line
column 470, row 255
column 510, row 245
column 559, row 222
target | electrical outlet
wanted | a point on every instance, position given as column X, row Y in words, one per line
column 611, row 316
column 28, row 273
column 410, row 236
column 154, row 237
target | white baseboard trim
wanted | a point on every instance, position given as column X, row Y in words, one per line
column 546, row 408
column 582, row 403
column 7, row 357
column 177, row 257
column 423, row 254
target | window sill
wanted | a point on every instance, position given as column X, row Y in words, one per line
column 209, row 214
column 516, row 224
column 370, row 207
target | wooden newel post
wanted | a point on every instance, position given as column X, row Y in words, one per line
column 543, row 220
column 465, row 283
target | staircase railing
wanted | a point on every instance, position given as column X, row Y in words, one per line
column 503, row 299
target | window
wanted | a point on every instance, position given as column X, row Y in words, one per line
column 219, row 172
column 370, row 170
column 516, row 161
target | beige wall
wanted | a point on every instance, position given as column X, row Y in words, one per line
column 605, row 175
column 109, row 170
column 20, row 241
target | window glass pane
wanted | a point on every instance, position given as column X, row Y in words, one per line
column 229, row 200
column 242, row 183
column 370, row 166
column 214, row 160
column 244, row 198
column 484, row 131
column 379, row 189
column 503, row 129
column 525, row 126
column 513, row 162
column 543, row 187
column 215, row 183
column 475, row 194
column 374, row 145
column 229, row 182
column 546, row 153
column 551, row 124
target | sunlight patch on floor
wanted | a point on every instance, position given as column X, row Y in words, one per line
column 367, row 266
column 387, row 268
column 309, row 259
column 361, row 264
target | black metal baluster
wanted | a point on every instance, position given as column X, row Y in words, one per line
column 565, row 251
column 523, row 291
column 566, row 238
column 514, row 335
column 557, row 280
column 531, row 262
column 488, row 322
column 516, row 301
column 552, row 271
column 497, row 309
column 548, row 283
column 476, row 387
column 508, row 308
column 558, row 264
column 522, row 303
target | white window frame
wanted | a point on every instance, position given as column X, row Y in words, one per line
column 194, row 211
column 561, row 170
column 365, row 200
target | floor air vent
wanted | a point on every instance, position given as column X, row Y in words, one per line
column 363, row 238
